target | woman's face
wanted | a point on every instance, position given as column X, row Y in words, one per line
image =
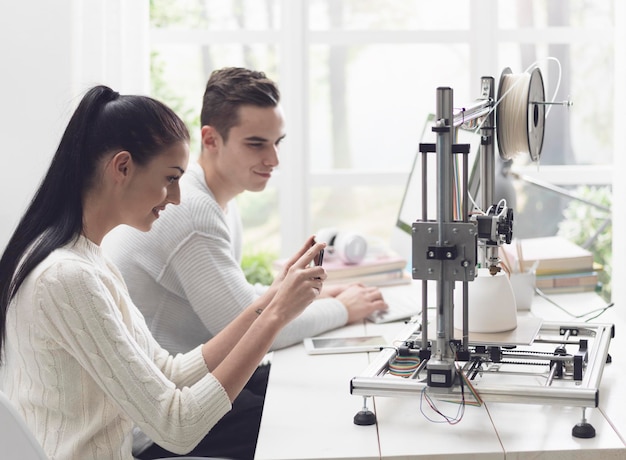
column 155, row 185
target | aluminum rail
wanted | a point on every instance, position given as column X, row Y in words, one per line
column 374, row 382
column 478, row 109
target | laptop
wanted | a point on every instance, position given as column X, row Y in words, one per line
column 405, row 301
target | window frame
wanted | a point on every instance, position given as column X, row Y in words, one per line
column 294, row 39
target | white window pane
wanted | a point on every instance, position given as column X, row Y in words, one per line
column 215, row 14
column 370, row 211
column 388, row 14
column 545, row 13
column 261, row 222
column 368, row 103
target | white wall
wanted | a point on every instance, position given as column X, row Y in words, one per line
column 35, row 51
column 50, row 53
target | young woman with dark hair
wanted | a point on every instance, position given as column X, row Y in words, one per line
column 78, row 361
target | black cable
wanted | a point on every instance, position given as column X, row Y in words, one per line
column 600, row 311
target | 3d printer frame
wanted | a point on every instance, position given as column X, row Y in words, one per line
column 448, row 251
column 563, row 365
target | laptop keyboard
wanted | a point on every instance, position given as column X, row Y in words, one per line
column 404, row 302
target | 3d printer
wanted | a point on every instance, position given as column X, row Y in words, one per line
column 557, row 363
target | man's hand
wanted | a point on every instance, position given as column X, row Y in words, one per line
column 361, row 301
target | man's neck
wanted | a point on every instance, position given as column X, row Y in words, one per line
column 216, row 184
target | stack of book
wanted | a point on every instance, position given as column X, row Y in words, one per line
column 380, row 270
column 568, row 282
column 560, row 265
column 377, row 269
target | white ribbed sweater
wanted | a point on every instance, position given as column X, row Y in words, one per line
column 185, row 274
column 82, row 367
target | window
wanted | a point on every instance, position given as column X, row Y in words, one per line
column 359, row 78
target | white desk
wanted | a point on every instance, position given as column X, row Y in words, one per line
column 308, row 407
column 309, row 411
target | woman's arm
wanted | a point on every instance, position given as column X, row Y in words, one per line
column 234, row 353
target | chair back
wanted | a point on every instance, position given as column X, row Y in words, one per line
column 16, row 439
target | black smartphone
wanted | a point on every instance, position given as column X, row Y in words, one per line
column 319, row 258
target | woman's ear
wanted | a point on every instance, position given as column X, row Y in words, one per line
column 121, row 165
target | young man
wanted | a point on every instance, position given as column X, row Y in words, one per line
column 185, row 274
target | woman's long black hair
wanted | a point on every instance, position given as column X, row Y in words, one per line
column 103, row 122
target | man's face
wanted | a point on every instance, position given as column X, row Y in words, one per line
column 247, row 159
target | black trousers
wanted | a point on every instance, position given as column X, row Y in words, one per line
column 235, row 435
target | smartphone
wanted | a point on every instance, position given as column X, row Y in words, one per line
column 319, row 258
column 326, row 345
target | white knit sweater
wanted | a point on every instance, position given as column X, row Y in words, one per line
column 82, row 367
column 185, row 274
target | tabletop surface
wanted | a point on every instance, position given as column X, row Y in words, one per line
column 308, row 412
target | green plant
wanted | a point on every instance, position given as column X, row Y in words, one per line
column 257, row 267
column 582, row 222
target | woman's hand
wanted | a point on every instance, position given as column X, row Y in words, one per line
column 280, row 276
column 299, row 283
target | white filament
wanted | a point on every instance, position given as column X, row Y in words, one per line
column 513, row 115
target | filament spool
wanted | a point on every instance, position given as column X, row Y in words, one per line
column 520, row 114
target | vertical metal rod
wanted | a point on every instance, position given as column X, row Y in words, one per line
column 445, row 287
column 465, row 209
column 465, row 285
column 488, row 167
column 424, row 158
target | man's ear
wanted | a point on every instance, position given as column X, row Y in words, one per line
column 121, row 165
column 210, row 137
